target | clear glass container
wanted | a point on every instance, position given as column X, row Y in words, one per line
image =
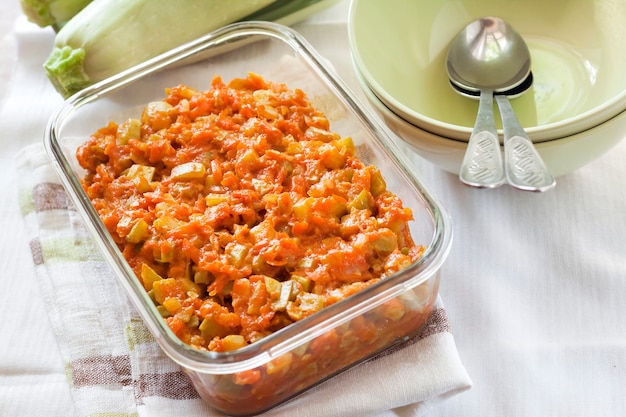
column 310, row 351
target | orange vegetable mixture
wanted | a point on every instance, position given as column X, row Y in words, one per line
column 241, row 212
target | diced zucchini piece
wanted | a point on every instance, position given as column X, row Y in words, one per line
column 138, row 232
column 237, row 253
column 288, row 293
column 363, row 201
column 307, row 263
column 335, row 158
column 141, row 171
column 213, row 199
column 165, row 223
column 262, row 187
column 210, row 329
column 294, row 148
column 337, row 206
column 304, row 282
column 261, row 96
column 377, row 182
column 272, row 286
column 149, row 276
column 310, row 302
column 156, row 115
column 189, row 92
column 250, row 156
column 385, row 243
column 267, row 112
column 315, row 133
column 130, row 129
column 172, row 305
column 233, row 342
column 163, row 289
column 141, row 176
column 193, row 321
column 188, row 171
column 303, row 208
column 304, row 305
column 347, row 143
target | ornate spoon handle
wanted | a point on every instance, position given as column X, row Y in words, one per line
column 482, row 163
column 523, row 165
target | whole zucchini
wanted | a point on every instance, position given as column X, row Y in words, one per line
column 109, row 36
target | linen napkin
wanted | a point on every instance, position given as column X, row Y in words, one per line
column 115, row 367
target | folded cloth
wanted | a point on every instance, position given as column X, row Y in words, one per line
column 115, row 367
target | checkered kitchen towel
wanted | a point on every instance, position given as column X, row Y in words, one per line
column 115, row 367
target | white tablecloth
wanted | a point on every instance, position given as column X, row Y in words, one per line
column 535, row 285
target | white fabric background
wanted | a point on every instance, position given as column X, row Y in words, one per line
column 535, row 285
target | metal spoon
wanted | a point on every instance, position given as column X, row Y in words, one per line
column 488, row 56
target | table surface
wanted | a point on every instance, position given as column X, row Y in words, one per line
column 534, row 286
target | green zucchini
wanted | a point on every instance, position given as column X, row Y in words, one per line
column 109, row 36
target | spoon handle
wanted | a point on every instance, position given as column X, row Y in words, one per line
column 482, row 163
column 522, row 163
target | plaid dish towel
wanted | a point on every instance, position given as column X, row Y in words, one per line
column 116, row 368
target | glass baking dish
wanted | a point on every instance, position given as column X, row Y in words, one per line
column 305, row 353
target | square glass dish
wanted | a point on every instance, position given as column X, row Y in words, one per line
column 307, row 352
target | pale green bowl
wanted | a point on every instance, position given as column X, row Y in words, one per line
column 578, row 61
column 562, row 155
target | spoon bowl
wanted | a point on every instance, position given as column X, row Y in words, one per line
column 489, row 57
column 488, row 54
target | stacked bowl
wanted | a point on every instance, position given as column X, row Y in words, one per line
column 574, row 112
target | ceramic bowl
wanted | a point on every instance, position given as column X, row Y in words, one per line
column 399, row 48
column 561, row 155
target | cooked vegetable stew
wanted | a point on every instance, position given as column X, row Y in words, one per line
column 241, row 212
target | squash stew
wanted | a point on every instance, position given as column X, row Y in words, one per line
column 241, row 212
